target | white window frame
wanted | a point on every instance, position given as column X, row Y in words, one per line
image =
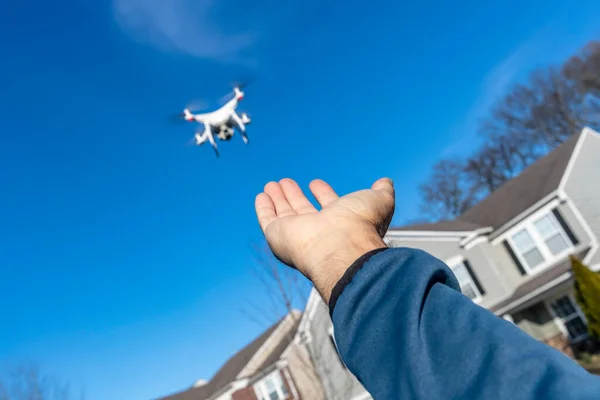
column 539, row 241
column 335, row 346
column 457, row 262
column 261, row 390
column 560, row 322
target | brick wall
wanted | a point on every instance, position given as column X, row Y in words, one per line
column 244, row 394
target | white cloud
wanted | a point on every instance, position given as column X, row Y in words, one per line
column 183, row 25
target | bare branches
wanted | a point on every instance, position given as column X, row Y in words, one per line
column 26, row 382
column 283, row 286
column 447, row 194
column 532, row 119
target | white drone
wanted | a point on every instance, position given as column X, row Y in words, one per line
column 222, row 121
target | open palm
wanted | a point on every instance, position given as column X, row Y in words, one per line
column 306, row 239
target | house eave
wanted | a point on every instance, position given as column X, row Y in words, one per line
column 555, row 194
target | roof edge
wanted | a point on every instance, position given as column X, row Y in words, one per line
column 309, row 310
column 475, row 234
column 261, row 349
column 522, row 215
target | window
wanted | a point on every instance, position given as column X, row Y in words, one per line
column 528, row 249
column 564, row 308
column 552, row 235
column 271, row 387
column 467, row 284
column 540, row 242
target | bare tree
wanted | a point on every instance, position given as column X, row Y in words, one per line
column 26, row 382
column 284, row 287
column 584, row 69
column 447, row 194
column 534, row 117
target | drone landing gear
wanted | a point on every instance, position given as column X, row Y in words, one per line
column 207, row 135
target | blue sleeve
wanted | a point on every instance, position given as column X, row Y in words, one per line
column 404, row 329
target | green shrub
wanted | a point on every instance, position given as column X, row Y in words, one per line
column 587, row 295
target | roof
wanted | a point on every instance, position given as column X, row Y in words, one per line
column 539, row 280
column 281, row 346
column 513, row 197
column 518, row 194
column 229, row 371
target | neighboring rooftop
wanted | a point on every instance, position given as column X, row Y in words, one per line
column 229, row 372
column 512, row 198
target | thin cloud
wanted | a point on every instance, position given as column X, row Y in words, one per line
column 550, row 44
column 495, row 84
column 186, row 26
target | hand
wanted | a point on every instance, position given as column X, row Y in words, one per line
column 323, row 244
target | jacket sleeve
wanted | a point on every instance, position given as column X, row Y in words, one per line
column 404, row 329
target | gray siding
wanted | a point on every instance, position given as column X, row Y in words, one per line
column 506, row 266
column 338, row 382
column 482, row 258
column 509, row 268
column 583, row 185
column 491, row 263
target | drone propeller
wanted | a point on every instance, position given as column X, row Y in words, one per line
column 230, row 95
column 197, row 105
column 177, row 118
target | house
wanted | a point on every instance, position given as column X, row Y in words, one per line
column 274, row 366
column 316, row 330
column 510, row 251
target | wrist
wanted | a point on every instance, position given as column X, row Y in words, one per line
column 337, row 258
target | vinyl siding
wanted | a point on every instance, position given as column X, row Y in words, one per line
column 508, row 266
column 583, row 185
column 338, row 382
column 303, row 373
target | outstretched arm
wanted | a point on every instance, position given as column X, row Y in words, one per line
column 405, row 330
column 401, row 324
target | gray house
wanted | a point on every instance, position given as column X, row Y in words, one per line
column 316, row 331
column 510, row 253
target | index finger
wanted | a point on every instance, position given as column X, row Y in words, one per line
column 265, row 210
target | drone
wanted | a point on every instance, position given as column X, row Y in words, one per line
column 221, row 122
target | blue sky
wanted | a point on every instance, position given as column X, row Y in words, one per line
column 124, row 252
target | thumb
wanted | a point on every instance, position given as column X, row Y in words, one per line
column 384, row 185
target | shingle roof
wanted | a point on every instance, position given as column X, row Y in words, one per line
column 539, row 280
column 230, row 370
column 511, row 199
column 517, row 195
